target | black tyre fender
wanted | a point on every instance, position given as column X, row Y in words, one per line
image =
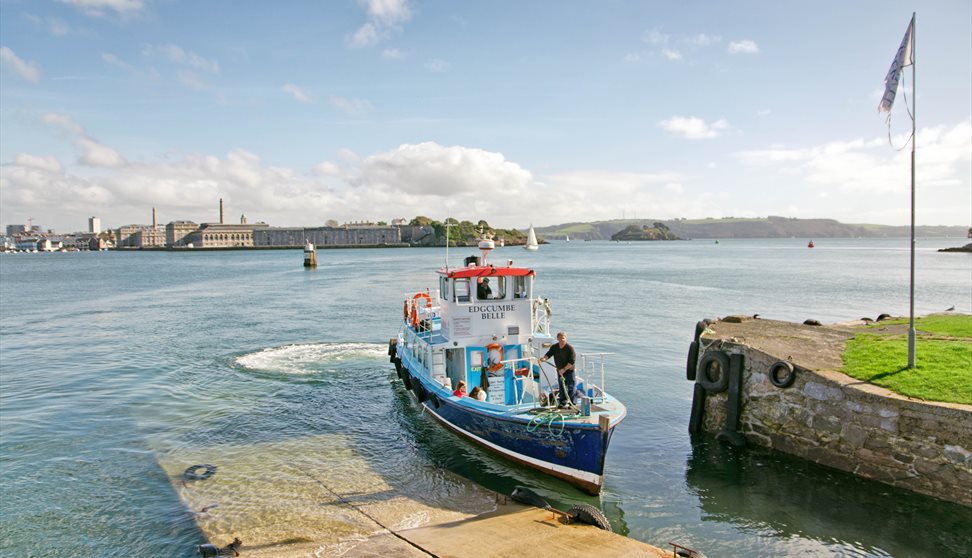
column 398, row 368
column 699, row 328
column 691, row 366
column 526, row 496
column 732, row 438
column 782, row 374
column 420, row 393
column 407, row 379
column 434, row 400
column 707, row 368
column 586, row 513
column 194, row 473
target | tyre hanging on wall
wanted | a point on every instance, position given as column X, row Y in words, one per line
column 782, row 374
column 693, row 361
column 713, row 371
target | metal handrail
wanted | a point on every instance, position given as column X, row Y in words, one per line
column 591, row 363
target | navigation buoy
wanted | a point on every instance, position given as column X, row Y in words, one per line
column 310, row 255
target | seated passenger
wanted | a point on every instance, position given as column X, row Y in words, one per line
column 460, row 389
column 478, row 393
column 483, row 292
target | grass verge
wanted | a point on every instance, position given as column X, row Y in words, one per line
column 943, row 359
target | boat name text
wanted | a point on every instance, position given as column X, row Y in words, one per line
column 492, row 311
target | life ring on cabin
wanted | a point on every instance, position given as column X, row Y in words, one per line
column 428, row 304
column 713, row 371
column 691, row 366
column 498, row 363
column 193, row 473
column 785, row 380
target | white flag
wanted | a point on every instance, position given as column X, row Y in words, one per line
column 901, row 60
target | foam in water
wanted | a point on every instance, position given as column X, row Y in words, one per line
column 309, row 359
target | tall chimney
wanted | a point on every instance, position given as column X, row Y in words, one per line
column 155, row 223
column 220, row 211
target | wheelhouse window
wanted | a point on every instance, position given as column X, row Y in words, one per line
column 521, row 287
column 491, row 288
column 462, row 290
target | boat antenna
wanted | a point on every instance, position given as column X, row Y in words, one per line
column 447, row 225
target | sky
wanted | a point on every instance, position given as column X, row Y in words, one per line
column 539, row 112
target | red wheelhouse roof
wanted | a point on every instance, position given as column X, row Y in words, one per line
column 486, row 271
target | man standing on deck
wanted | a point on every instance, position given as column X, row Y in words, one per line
column 564, row 357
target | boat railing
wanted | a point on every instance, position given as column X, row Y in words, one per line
column 530, row 362
column 591, row 365
column 541, row 316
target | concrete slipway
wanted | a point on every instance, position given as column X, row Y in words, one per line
column 316, row 497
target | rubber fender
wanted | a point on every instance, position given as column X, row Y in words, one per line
column 731, row 437
column 407, row 379
column 788, row 374
column 707, row 368
column 698, row 409
column 434, row 400
column 699, row 328
column 391, row 347
column 693, row 361
column 419, row 391
column 399, row 368
column 586, row 513
column 193, row 473
column 526, row 496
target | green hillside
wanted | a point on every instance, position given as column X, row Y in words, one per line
column 760, row 227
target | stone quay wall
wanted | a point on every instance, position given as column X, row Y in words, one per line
column 835, row 420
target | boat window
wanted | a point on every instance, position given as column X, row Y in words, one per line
column 491, row 288
column 444, row 287
column 462, row 290
column 476, row 360
column 520, row 287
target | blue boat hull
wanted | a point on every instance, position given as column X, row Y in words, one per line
column 573, row 451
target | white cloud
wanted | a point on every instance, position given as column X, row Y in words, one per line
column 191, row 80
column 298, row 93
column 384, row 18
column 27, row 70
column 102, row 7
column 92, row 153
column 391, row 54
column 670, row 54
column 47, row 164
column 437, row 65
column 180, row 56
column 352, row 107
column 691, row 127
column 745, row 46
column 704, row 40
column 864, row 172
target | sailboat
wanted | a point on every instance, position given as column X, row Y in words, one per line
column 566, row 237
column 532, row 244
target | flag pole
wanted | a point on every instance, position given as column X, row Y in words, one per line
column 914, row 139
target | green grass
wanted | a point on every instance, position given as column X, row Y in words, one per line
column 953, row 325
column 943, row 359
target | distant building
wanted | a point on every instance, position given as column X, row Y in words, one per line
column 348, row 235
column 219, row 235
column 94, row 225
column 177, row 233
column 13, row 230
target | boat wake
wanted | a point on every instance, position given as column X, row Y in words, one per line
column 311, row 358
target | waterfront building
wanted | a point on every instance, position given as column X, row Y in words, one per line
column 220, row 235
column 177, row 233
column 94, row 225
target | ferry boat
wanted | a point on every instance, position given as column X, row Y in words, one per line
column 493, row 339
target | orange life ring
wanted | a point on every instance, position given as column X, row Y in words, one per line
column 428, row 304
column 496, row 365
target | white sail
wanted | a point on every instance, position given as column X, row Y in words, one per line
column 531, row 240
column 566, row 237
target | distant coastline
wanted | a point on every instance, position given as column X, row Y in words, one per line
column 763, row 227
